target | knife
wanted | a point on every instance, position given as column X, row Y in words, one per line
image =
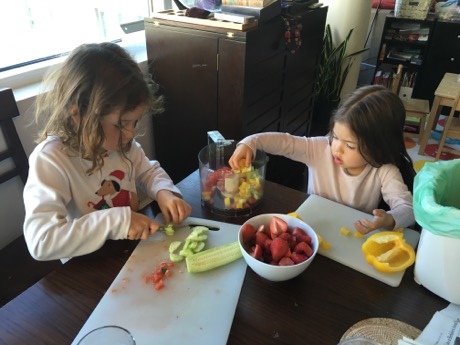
column 212, row 228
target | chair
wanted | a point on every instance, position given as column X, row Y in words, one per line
column 416, row 114
column 451, row 130
column 14, row 149
column 18, row 270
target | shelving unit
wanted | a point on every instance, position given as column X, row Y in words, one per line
column 404, row 48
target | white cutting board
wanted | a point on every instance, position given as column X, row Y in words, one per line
column 191, row 309
column 327, row 217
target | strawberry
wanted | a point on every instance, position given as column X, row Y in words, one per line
column 286, row 262
column 256, row 252
column 304, row 248
column 287, row 237
column 261, row 238
column 261, row 228
column 298, row 257
column 247, row 232
column 279, row 248
column 301, row 235
column 277, row 227
column 159, row 285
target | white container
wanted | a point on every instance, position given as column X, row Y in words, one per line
column 437, row 265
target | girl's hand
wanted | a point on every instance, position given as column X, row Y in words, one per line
column 241, row 151
column 141, row 227
column 174, row 209
column 381, row 220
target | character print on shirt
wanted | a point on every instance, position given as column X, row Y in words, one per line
column 113, row 195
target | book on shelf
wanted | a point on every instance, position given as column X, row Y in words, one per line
column 386, row 79
column 249, row 3
column 377, row 77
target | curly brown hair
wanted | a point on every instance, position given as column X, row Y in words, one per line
column 95, row 80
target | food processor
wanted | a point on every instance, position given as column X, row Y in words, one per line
column 226, row 191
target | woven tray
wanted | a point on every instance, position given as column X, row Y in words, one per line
column 179, row 16
column 383, row 330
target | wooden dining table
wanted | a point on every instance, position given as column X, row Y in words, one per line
column 316, row 307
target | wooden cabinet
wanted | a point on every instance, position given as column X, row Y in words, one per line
column 238, row 83
column 443, row 56
column 405, row 42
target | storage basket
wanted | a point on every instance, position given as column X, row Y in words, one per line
column 414, row 9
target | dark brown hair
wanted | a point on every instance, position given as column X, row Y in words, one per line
column 376, row 116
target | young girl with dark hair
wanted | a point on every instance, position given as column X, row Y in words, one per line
column 360, row 163
column 87, row 169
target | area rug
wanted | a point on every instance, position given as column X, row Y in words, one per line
column 412, row 148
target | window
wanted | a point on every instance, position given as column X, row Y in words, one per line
column 36, row 33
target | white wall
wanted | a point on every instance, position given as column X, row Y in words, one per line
column 342, row 16
column 11, row 201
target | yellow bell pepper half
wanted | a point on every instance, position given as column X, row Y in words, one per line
column 387, row 251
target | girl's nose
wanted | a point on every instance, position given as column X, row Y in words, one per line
column 129, row 131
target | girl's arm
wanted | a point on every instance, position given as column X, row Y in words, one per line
column 157, row 184
column 300, row 149
column 397, row 196
column 53, row 228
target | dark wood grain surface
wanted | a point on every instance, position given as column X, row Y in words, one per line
column 316, row 307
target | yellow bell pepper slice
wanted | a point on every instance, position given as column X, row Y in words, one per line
column 387, row 251
column 295, row 215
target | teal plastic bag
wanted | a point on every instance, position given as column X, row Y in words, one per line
column 437, row 198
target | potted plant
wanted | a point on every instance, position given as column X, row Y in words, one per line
column 334, row 66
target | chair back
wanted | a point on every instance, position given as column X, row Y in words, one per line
column 451, row 130
column 14, row 149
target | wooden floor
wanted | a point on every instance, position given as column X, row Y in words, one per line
column 19, row 271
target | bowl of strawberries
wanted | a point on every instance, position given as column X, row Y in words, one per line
column 276, row 246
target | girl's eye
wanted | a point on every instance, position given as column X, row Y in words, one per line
column 351, row 147
column 127, row 124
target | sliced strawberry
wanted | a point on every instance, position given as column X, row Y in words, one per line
column 286, row 262
column 304, row 248
column 261, row 228
column 159, row 285
column 298, row 257
column 298, row 231
column 247, row 232
column 287, row 237
column 261, row 238
column 277, row 227
column 293, row 243
column 279, row 248
column 256, row 252
column 157, row 276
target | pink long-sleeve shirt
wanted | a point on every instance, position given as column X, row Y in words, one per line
column 325, row 178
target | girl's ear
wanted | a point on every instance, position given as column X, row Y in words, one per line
column 76, row 120
column 74, row 114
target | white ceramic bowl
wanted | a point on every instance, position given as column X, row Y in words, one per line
column 272, row 272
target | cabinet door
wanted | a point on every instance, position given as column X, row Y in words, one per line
column 231, row 84
column 300, row 74
column 184, row 63
column 443, row 56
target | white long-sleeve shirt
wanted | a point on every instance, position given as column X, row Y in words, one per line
column 325, row 178
column 70, row 213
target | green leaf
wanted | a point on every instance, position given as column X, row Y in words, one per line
column 334, row 65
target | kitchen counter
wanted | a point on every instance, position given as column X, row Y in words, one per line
column 316, row 307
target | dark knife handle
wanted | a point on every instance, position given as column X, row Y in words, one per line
column 213, row 228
